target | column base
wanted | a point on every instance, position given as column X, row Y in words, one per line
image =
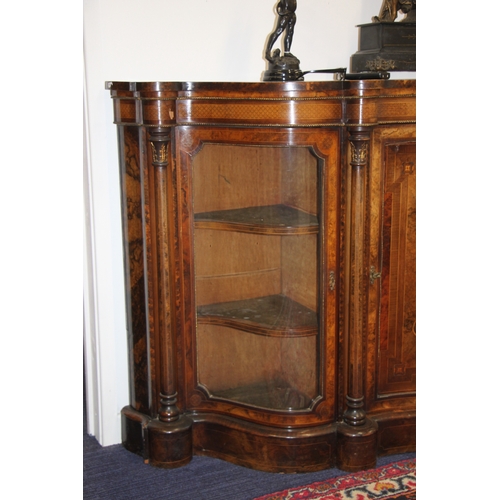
column 170, row 445
column 166, row 445
column 357, row 446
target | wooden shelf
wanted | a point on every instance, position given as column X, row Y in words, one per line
column 270, row 219
column 278, row 396
column 273, row 316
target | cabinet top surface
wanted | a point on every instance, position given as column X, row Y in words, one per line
column 261, row 87
column 264, row 104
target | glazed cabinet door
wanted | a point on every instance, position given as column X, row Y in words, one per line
column 391, row 374
column 259, row 281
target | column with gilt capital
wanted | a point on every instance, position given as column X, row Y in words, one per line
column 357, row 434
column 170, row 435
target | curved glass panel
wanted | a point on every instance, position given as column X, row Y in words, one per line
column 256, row 234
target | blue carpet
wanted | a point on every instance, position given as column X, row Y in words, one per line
column 113, row 473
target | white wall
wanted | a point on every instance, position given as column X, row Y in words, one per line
column 162, row 40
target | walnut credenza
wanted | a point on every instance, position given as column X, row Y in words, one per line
column 269, row 240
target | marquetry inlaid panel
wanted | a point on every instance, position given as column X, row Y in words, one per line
column 127, row 111
column 135, row 210
column 261, row 111
column 397, row 334
column 158, row 111
column 392, row 109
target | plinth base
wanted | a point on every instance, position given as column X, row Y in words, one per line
column 170, row 444
column 289, row 75
column 386, row 47
column 166, row 445
column 283, row 69
column 270, row 449
column 357, row 446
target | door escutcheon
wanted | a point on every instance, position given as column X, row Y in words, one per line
column 332, row 280
column 374, row 275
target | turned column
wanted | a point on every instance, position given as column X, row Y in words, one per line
column 159, row 142
column 357, row 434
column 169, row 437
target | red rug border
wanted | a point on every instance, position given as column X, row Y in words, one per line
column 340, row 483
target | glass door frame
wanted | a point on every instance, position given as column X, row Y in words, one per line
column 324, row 144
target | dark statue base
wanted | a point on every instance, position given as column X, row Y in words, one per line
column 283, row 69
column 386, row 47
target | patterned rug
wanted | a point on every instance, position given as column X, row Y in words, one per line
column 395, row 481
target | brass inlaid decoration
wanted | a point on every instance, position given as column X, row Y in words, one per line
column 160, row 156
column 359, row 152
column 379, row 64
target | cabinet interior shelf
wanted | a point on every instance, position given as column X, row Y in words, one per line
column 274, row 316
column 269, row 219
column 275, row 395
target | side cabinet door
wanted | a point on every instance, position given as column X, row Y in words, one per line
column 391, row 367
column 259, row 279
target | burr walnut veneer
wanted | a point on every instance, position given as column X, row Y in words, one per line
column 269, row 238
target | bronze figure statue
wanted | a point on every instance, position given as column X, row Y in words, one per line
column 283, row 67
column 386, row 45
column 390, row 8
column 286, row 23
